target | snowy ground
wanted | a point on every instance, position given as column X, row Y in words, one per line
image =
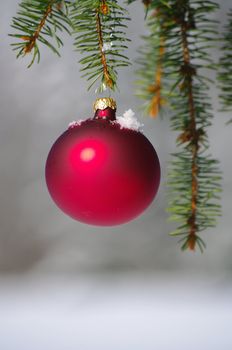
column 115, row 313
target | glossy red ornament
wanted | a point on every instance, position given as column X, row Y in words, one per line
column 102, row 174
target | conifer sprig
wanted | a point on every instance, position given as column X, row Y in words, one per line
column 194, row 178
column 151, row 83
column 225, row 68
column 36, row 21
column 99, row 28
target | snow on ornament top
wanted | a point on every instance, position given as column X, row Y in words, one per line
column 75, row 123
column 106, row 104
column 128, row 121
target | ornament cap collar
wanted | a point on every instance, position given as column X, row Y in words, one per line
column 103, row 103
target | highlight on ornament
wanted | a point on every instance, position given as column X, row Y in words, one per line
column 103, row 170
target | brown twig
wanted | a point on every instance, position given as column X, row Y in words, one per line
column 146, row 2
column 157, row 100
column 104, row 8
column 107, row 77
column 193, row 135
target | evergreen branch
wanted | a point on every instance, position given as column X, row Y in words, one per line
column 191, row 135
column 152, row 83
column 200, row 184
column 31, row 40
column 98, row 28
column 35, row 21
column 225, row 68
column 194, row 179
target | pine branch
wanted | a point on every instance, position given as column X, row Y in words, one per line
column 192, row 134
column 225, row 68
column 31, row 40
column 202, row 176
column 194, row 178
column 36, row 20
column 100, row 37
column 151, row 83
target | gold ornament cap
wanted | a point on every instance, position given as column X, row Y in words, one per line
column 103, row 103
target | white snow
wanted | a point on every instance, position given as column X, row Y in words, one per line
column 107, row 46
column 75, row 123
column 116, row 312
column 128, row 121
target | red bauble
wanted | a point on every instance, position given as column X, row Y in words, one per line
column 102, row 174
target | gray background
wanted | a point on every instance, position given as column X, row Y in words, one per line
column 108, row 285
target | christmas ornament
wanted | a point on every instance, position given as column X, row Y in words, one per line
column 103, row 171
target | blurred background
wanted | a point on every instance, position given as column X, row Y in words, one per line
column 66, row 285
